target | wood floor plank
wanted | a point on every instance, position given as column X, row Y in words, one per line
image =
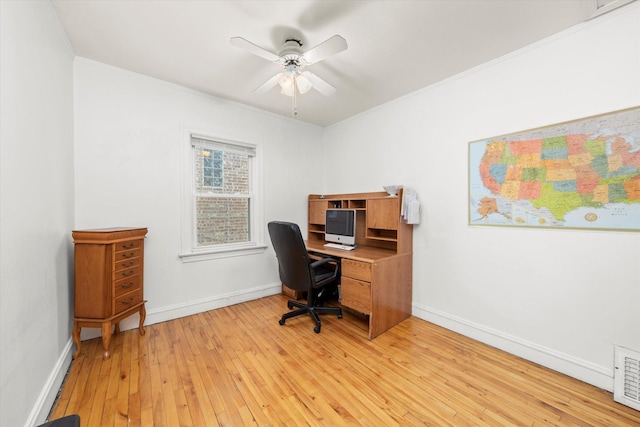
column 110, row 408
column 236, row 366
column 133, row 399
column 145, row 394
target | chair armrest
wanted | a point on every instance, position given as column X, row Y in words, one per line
column 323, row 261
column 324, row 270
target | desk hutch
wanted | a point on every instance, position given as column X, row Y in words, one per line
column 377, row 275
column 108, row 266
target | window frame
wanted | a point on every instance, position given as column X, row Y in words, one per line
column 190, row 251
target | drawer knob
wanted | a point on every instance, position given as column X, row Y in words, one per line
column 128, row 246
column 129, row 264
column 129, row 273
column 124, row 301
column 127, row 285
column 124, row 254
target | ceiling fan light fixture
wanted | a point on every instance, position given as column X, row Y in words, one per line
column 286, row 80
column 288, row 90
column 303, row 83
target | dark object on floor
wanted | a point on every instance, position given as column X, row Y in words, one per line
column 68, row 421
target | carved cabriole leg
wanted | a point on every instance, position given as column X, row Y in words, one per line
column 76, row 338
column 106, row 339
column 117, row 329
column 143, row 315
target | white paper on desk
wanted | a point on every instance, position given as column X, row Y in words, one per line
column 410, row 207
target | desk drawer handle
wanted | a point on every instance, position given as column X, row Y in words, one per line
column 124, row 254
column 129, row 246
column 125, row 302
column 124, row 273
column 127, row 285
column 129, row 264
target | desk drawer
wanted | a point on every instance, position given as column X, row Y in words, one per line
column 356, row 294
column 356, row 269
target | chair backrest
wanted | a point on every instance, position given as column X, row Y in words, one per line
column 293, row 258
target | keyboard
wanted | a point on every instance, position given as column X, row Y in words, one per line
column 339, row 246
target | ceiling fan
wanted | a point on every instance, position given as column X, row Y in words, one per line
column 292, row 59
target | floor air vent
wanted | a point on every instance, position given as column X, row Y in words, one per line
column 626, row 386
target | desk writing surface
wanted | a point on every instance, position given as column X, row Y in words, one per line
column 360, row 253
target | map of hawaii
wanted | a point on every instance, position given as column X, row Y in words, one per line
column 539, row 177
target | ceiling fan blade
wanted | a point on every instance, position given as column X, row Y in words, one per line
column 329, row 47
column 268, row 85
column 253, row 48
column 320, row 85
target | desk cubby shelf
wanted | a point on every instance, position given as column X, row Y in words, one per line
column 378, row 222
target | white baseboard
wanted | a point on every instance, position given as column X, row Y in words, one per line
column 48, row 394
column 176, row 311
column 596, row 375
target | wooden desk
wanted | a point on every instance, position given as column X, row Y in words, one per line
column 377, row 275
column 375, row 282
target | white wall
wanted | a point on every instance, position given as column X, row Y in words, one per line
column 561, row 298
column 36, row 209
column 129, row 136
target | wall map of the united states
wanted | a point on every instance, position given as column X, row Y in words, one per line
column 581, row 174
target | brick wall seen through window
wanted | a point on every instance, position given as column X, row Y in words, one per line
column 222, row 194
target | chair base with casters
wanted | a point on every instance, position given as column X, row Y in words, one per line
column 312, row 311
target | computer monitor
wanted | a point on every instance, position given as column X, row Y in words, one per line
column 340, row 226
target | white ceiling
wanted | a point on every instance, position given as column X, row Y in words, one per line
column 395, row 46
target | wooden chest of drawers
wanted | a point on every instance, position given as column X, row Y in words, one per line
column 108, row 267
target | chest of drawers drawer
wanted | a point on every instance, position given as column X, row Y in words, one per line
column 128, row 284
column 126, row 272
column 126, row 254
column 126, row 263
column 126, row 301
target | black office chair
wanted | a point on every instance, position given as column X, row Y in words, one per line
column 300, row 273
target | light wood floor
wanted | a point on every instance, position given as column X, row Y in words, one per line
column 236, row 366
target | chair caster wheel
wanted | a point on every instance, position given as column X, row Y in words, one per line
column 339, row 316
column 316, row 329
column 281, row 321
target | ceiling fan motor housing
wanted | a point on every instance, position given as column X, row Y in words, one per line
column 291, row 52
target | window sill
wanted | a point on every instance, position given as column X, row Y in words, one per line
column 205, row 255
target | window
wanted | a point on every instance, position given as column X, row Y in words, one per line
column 212, row 170
column 222, row 198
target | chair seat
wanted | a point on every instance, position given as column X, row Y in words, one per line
column 323, row 276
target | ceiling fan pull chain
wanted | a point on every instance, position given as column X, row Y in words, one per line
column 295, row 104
